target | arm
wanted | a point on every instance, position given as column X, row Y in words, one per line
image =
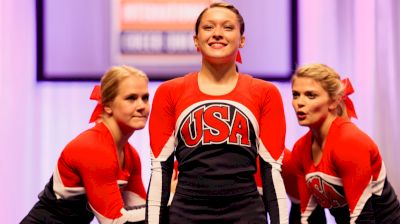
column 308, row 203
column 174, row 182
column 353, row 161
column 162, row 141
column 289, row 176
column 271, row 146
column 134, row 194
column 99, row 177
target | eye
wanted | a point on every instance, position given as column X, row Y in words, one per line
column 132, row 97
column 207, row 27
column 145, row 98
column 311, row 95
column 229, row 27
column 295, row 95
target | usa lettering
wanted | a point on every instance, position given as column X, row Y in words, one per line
column 325, row 193
column 214, row 124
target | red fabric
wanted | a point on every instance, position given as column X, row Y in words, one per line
column 98, row 110
column 289, row 176
column 350, row 163
column 239, row 58
column 90, row 162
column 253, row 121
column 176, row 168
column 351, row 112
column 264, row 95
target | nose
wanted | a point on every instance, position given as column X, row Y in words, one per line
column 142, row 105
column 298, row 102
column 217, row 33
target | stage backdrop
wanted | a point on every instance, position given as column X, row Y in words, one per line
column 360, row 38
column 155, row 36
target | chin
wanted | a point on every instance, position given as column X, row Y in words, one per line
column 217, row 58
column 303, row 123
column 138, row 126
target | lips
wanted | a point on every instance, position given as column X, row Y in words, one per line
column 301, row 115
column 217, row 45
column 140, row 117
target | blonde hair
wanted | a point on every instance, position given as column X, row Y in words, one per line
column 329, row 80
column 113, row 77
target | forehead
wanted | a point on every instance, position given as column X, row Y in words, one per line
column 219, row 13
column 133, row 84
column 306, row 84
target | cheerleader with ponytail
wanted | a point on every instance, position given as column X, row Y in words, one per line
column 340, row 166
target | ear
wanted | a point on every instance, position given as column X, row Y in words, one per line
column 242, row 41
column 108, row 110
column 195, row 40
column 334, row 103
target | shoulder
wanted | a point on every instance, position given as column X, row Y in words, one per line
column 261, row 89
column 350, row 141
column 91, row 146
column 91, row 138
column 176, row 83
column 259, row 83
column 84, row 141
column 347, row 132
column 170, row 91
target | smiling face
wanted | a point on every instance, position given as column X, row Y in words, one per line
column 219, row 37
column 311, row 102
column 130, row 108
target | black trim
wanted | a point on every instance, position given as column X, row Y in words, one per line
column 294, row 36
column 40, row 40
column 293, row 45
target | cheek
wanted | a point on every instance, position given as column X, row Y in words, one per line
column 126, row 109
column 294, row 104
column 315, row 108
column 320, row 108
column 147, row 109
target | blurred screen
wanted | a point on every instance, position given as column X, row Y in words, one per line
column 80, row 40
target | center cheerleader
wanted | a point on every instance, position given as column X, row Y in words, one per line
column 216, row 122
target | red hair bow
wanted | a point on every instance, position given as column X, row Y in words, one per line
column 98, row 110
column 239, row 58
column 348, row 89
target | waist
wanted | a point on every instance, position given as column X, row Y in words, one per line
column 201, row 187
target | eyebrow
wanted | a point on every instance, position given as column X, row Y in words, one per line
column 137, row 95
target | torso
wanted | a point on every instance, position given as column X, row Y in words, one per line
column 216, row 137
column 326, row 173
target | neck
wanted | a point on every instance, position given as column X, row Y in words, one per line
column 218, row 73
column 119, row 135
column 320, row 131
